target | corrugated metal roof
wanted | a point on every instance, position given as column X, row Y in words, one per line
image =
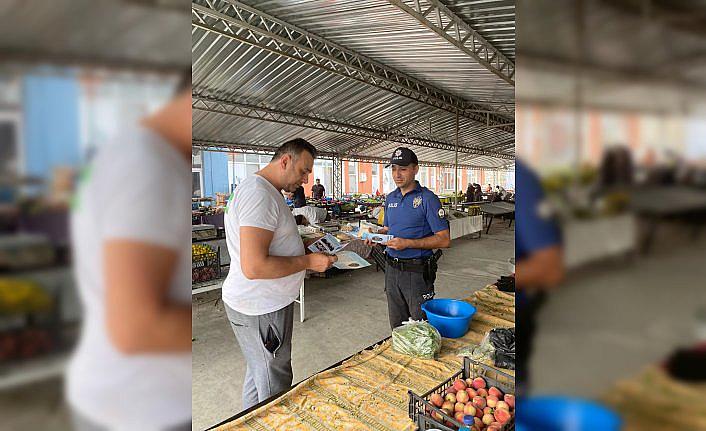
column 493, row 19
column 136, row 33
column 233, row 71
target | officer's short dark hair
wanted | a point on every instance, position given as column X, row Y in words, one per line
column 295, row 147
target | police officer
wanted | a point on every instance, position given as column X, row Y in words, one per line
column 413, row 214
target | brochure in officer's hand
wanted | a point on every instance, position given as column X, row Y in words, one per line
column 328, row 244
column 377, row 238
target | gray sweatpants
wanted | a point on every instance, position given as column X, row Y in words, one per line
column 266, row 343
column 406, row 291
column 82, row 423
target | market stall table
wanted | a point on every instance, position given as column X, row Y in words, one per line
column 369, row 390
column 661, row 204
column 497, row 209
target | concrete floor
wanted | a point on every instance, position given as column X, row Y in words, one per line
column 608, row 322
column 344, row 315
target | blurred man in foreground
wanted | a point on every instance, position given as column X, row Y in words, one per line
column 539, row 267
column 131, row 237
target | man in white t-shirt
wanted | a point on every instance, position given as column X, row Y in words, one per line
column 131, row 240
column 268, row 264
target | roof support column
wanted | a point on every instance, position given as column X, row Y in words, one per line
column 337, row 177
column 456, row 166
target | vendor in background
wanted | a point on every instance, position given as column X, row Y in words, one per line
column 299, row 198
column 317, row 190
column 312, row 214
column 268, row 264
column 539, row 268
column 413, row 214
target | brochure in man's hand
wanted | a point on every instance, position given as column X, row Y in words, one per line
column 329, row 244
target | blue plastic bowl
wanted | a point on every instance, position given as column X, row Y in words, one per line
column 555, row 413
column 449, row 316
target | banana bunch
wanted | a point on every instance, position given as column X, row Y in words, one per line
column 20, row 296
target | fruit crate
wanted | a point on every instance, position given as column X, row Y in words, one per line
column 420, row 407
column 206, row 266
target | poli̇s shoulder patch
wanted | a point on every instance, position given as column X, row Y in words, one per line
column 441, row 213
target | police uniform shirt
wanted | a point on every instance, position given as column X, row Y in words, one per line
column 418, row 214
column 533, row 232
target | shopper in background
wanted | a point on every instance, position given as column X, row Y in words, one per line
column 469, row 193
column 413, row 214
column 489, row 189
column 268, row 264
column 317, row 190
column 299, row 197
column 132, row 254
column 539, row 268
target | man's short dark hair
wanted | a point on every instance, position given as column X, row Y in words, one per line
column 295, row 147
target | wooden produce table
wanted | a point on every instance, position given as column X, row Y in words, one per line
column 654, row 401
column 369, row 390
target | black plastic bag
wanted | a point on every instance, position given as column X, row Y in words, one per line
column 504, row 342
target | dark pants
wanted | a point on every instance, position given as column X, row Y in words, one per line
column 528, row 307
column 406, row 291
column 266, row 343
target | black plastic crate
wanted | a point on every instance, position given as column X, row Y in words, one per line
column 206, row 266
column 419, row 405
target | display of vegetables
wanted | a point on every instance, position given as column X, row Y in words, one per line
column 205, row 265
column 471, row 399
column 21, row 296
column 416, row 339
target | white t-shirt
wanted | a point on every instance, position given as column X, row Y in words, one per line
column 138, row 188
column 257, row 203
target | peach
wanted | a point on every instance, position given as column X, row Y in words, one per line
column 459, row 385
column 458, row 407
column 491, row 401
column 471, row 392
column 495, row 391
column 469, row 409
column 437, row 416
column 510, row 400
column 469, row 382
column 502, row 416
column 502, row 405
column 479, row 402
column 477, row 422
column 479, row 412
column 493, row 427
column 482, row 392
column 488, row 411
column 450, row 398
column 437, row 400
column 459, row 416
column 451, row 390
column 448, row 407
column 488, row 419
column 462, row 397
column 478, row 383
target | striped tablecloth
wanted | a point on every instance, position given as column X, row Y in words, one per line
column 369, row 391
